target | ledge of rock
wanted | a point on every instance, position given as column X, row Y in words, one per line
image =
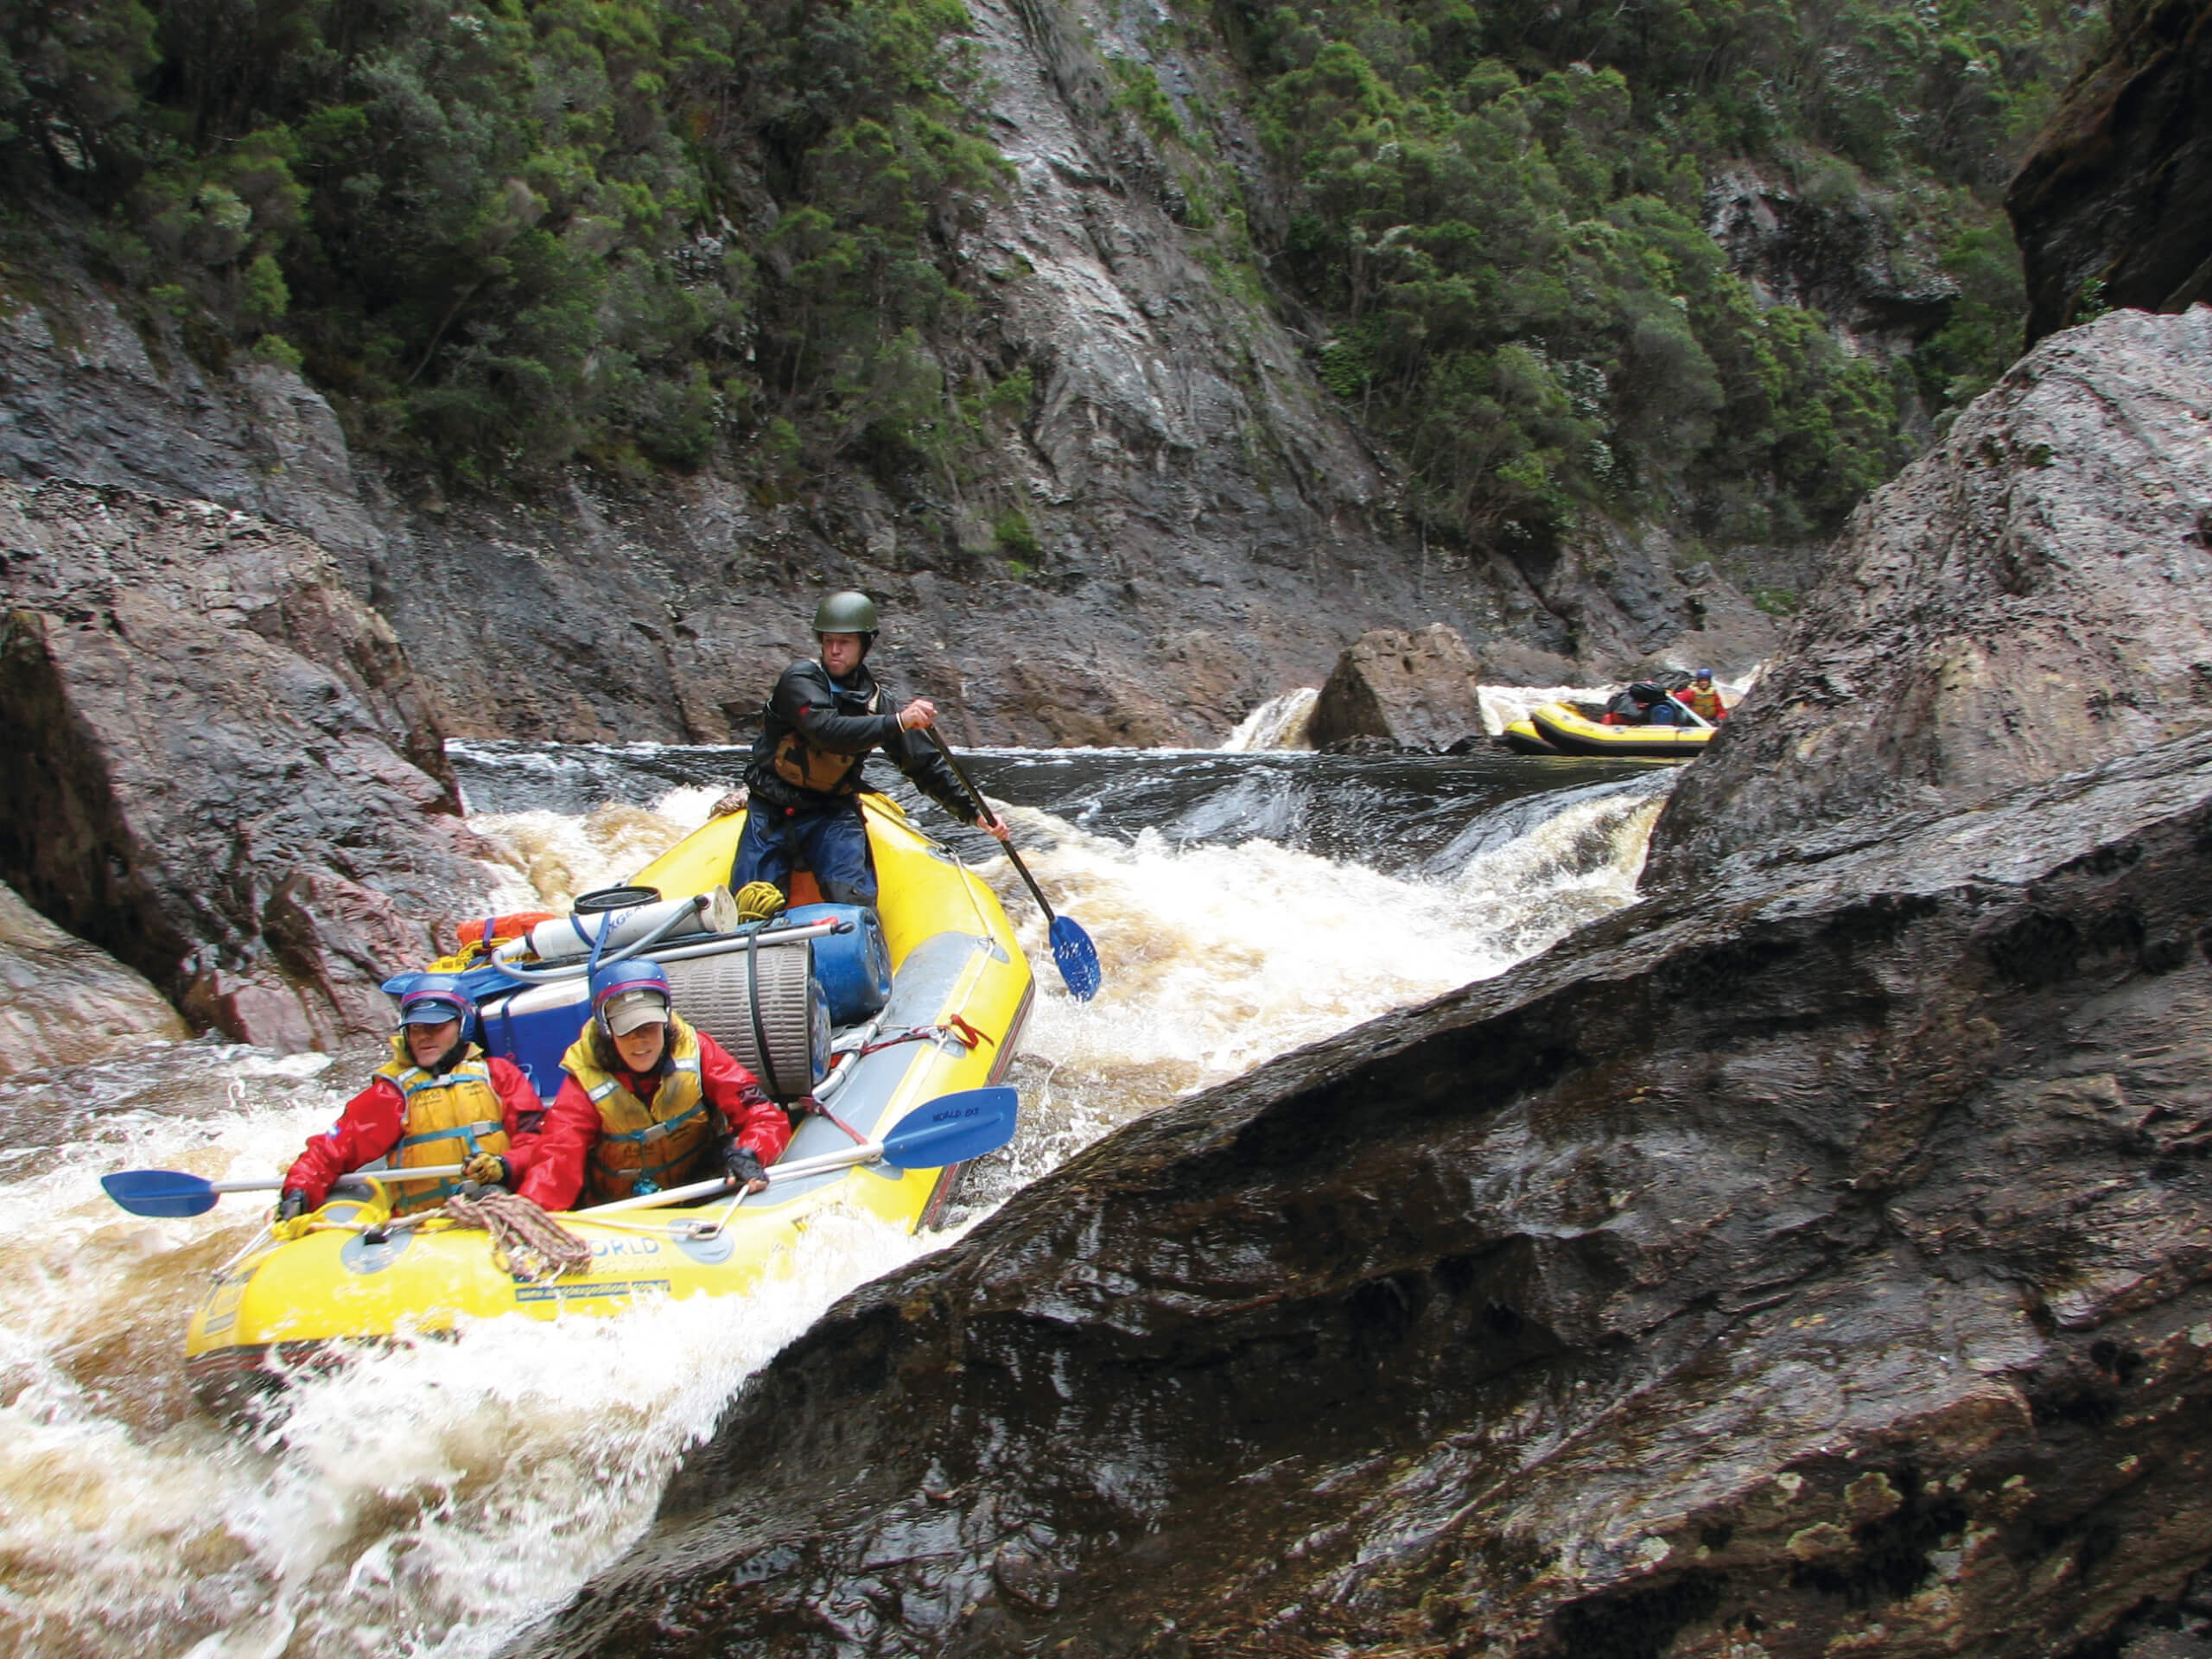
column 221, row 769
column 63, row 1002
column 2031, row 598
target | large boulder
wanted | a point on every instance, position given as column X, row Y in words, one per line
column 1819, row 1262
column 2031, row 598
column 1416, row 689
column 63, row 1002
column 2114, row 208
column 220, row 768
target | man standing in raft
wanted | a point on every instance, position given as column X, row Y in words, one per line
column 438, row 1100
column 821, row 722
column 649, row 1103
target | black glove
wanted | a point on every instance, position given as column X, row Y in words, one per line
column 743, row 1165
column 292, row 1206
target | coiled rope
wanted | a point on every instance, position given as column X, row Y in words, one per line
column 521, row 1234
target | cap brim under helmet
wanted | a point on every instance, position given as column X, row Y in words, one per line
column 628, row 1011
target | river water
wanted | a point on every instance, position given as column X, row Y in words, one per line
column 433, row 1498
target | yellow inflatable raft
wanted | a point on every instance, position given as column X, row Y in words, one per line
column 1570, row 733
column 1522, row 738
column 960, row 992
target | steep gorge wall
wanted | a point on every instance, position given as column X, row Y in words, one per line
column 2114, row 208
column 1211, row 530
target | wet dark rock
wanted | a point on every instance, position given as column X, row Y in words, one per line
column 1838, row 258
column 1416, row 689
column 219, row 768
column 1820, row 1261
column 2114, row 208
column 1368, row 743
column 63, row 1002
column 2033, row 596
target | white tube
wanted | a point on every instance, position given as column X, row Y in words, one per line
column 576, row 936
column 574, row 968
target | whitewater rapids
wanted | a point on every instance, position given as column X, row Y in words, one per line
column 433, row 1498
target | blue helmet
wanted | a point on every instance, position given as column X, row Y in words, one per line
column 433, row 999
column 627, row 994
column 1704, row 674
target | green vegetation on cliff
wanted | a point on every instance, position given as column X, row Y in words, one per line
column 1498, row 214
column 503, row 233
column 507, row 231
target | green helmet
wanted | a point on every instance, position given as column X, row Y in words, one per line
column 846, row 612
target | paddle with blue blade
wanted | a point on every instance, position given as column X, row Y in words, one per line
column 951, row 1130
column 1073, row 950
column 170, row 1193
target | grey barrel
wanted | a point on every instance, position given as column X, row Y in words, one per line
column 764, row 1006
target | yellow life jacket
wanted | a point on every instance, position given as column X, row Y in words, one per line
column 446, row 1120
column 643, row 1148
column 801, row 765
column 1706, row 704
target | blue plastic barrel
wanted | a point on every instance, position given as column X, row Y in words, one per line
column 854, row 965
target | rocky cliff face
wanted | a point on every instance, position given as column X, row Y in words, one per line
column 1839, row 259
column 1210, row 532
column 220, row 768
column 1809, row 1259
column 2114, row 208
column 2025, row 600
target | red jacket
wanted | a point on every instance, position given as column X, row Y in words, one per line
column 552, row 1167
column 370, row 1125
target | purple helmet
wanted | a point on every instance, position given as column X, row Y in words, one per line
column 627, row 994
column 433, row 999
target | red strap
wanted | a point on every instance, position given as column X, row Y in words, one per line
column 953, row 1027
column 818, row 1109
column 974, row 1038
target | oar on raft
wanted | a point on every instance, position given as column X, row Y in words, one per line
column 170, row 1193
column 951, row 1130
column 1073, row 950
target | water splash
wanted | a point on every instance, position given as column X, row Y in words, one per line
column 1219, row 957
column 556, row 855
column 427, row 1498
column 1279, row 723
